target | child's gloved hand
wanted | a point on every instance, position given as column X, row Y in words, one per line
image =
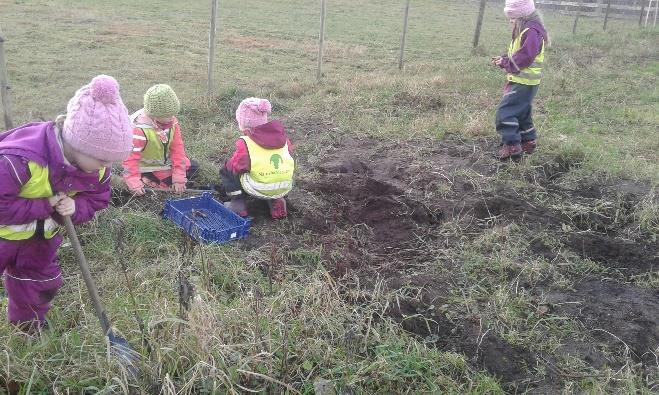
column 178, row 187
column 53, row 200
column 66, row 206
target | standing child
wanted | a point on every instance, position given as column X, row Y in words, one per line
column 49, row 170
column 262, row 165
column 523, row 65
column 158, row 159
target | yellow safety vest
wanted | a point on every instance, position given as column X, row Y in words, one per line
column 155, row 155
column 530, row 75
column 37, row 187
column 271, row 171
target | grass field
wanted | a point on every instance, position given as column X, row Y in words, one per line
column 412, row 261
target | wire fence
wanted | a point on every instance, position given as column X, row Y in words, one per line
column 645, row 10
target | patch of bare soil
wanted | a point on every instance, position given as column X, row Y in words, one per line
column 622, row 316
column 376, row 208
column 513, row 365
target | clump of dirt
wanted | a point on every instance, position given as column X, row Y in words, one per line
column 512, row 364
column 485, row 349
column 423, row 316
column 416, row 317
column 586, row 351
column 352, row 187
column 511, row 207
column 393, row 218
column 540, row 248
column 627, row 256
column 613, row 313
column 562, row 163
column 343, row 166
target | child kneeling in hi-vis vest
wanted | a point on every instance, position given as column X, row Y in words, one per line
column 262, row 165
column 523, row 65
column 49, row 170
column 158, row 159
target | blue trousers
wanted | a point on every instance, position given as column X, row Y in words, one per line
column 513, row 120
column 231, row 183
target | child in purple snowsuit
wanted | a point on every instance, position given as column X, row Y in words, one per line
column 523, row 65
column 49, row 170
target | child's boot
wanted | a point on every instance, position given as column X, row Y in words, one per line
column 237, row 205
column 278, row 208
column 510, row 151
column 529, row 146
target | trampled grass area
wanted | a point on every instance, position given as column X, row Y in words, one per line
column 538, row 276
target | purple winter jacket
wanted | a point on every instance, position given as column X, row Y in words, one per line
column 531, row 46
column 38, row 142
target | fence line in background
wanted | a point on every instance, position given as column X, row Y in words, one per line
column 656, row 11
column 576, row 21
column 211, row 46
column 479, row 23
column 321, row 38
column 402, row 40
column 4, row 85
column 619, row 8
column 608, row 10
column 579, row 7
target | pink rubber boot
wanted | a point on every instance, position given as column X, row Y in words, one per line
column 278, row 208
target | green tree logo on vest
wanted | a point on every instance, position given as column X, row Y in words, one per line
column 276, row 159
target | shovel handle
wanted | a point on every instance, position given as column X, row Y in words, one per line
column 87, row 276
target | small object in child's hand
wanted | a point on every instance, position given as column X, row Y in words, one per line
column 199, row 213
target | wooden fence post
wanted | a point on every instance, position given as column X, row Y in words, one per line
column 479, row 23
column 4, row 86
column 576, row 18
column 606, row 16
column 321, row 39
column 640, row 18
column 402, row 40
column 211, row 47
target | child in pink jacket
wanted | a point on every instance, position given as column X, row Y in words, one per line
column 262, row 165
column 49, row 170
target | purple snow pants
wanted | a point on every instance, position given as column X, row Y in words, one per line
column 32, row 277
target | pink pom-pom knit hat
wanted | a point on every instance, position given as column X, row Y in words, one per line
column 252, row 112
column 97, row 122
column 518, row 8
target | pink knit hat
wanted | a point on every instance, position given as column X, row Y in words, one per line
column 518, row 8
column 253, row 112
column 97, row 122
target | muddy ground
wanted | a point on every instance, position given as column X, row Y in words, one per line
column 376, row 210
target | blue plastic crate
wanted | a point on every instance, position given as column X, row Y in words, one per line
column 206, row 220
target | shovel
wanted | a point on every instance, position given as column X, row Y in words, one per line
column 118, row 345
